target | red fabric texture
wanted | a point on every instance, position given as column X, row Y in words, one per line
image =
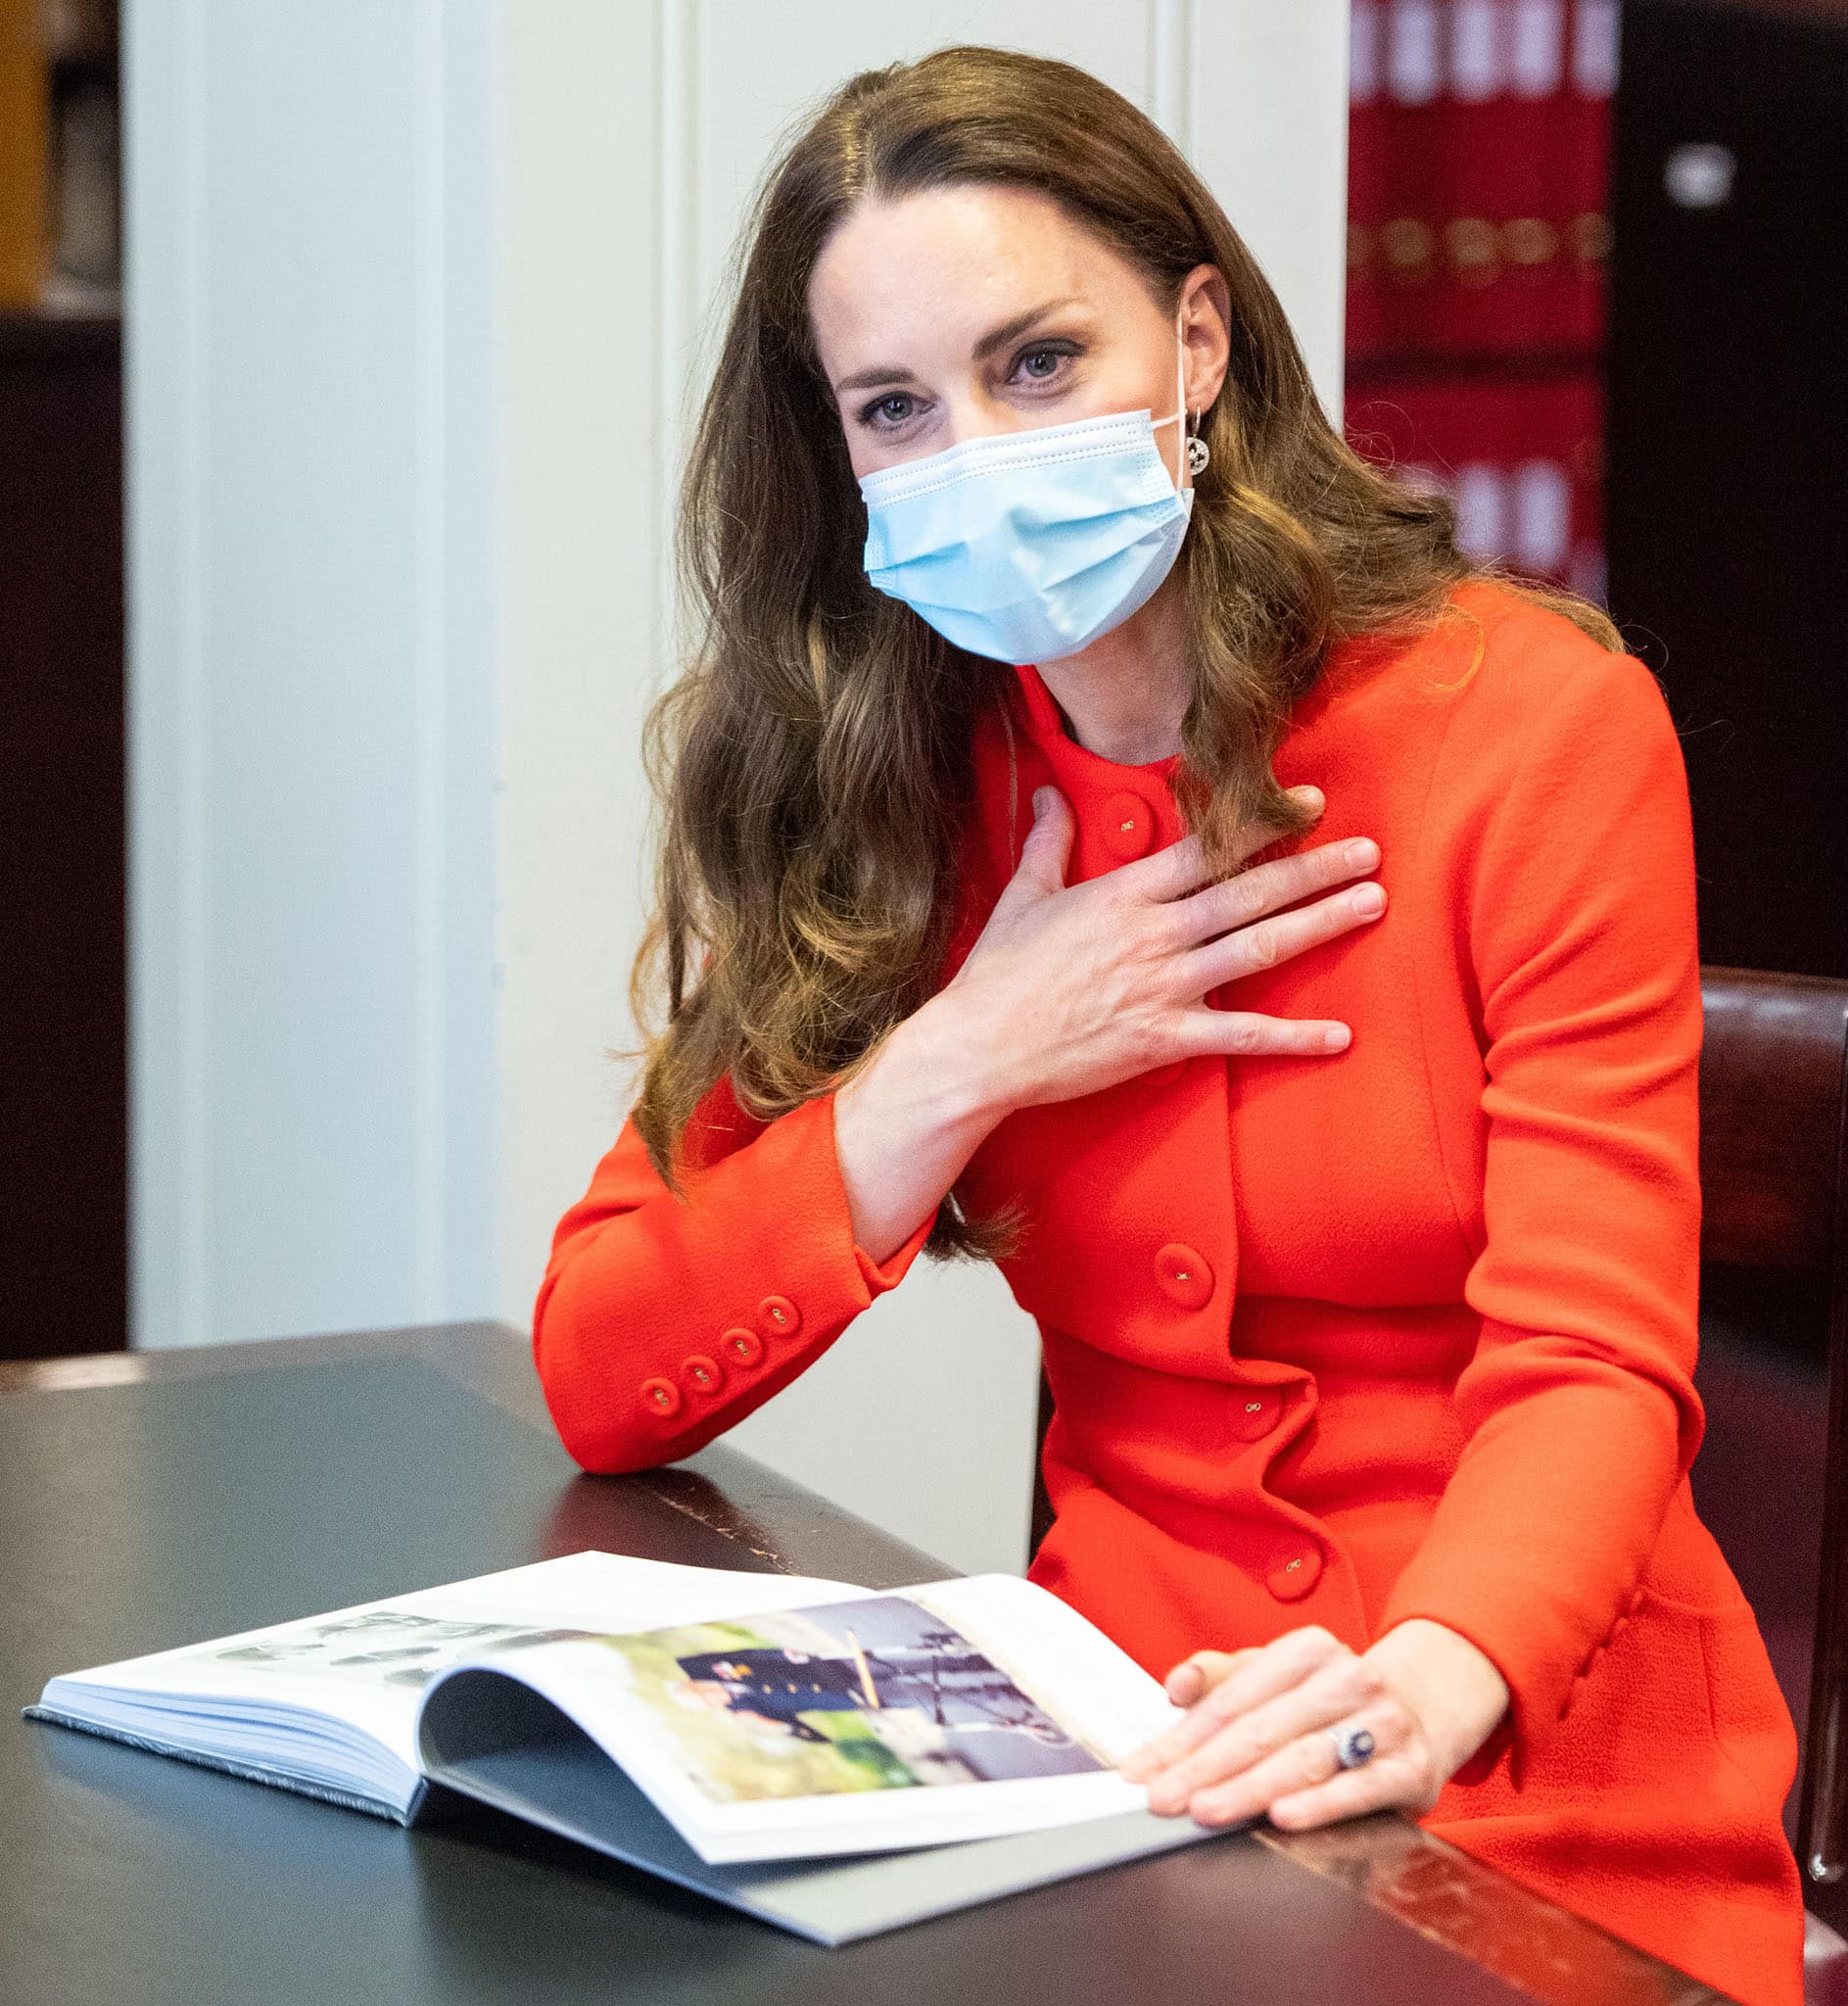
column 1407, row 1330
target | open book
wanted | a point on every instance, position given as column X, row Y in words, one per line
column 835, row 1759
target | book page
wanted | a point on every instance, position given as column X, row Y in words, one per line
column 366, row 1666
column 961, row 1709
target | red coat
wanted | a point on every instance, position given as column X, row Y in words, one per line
column 1408, row 1330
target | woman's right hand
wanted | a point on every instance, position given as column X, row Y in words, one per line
column 1073, row 987
column 1070, row 989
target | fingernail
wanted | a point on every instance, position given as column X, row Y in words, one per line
column 1042, row 799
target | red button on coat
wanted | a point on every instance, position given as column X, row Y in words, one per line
column 661, row 1397
column 778, row 1316
column 745, row 1345
column 1160, row 1076
column 1256, row 1410
column 1185, row 1274
column 1293, row 1576
column 1129, row 826
column 700, row 1374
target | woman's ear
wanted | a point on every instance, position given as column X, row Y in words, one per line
column 1207, row 306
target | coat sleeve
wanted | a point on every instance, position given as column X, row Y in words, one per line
column 1577, row 1406
column 661, row 1320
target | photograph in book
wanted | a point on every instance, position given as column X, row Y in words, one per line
column 876, row 1694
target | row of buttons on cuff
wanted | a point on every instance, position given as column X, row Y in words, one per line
column 702, row 1378
column 1187, row 1275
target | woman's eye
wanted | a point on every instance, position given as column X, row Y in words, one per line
column 1049, row 353
column 880, row 415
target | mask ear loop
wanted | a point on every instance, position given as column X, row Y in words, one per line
column 1197, row 453
column 1179, row 413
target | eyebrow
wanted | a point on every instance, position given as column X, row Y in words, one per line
column 995, row 338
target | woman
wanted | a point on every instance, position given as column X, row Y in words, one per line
column 1363, row 1245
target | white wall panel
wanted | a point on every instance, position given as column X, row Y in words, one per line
column 309, row 699
column 582, row 312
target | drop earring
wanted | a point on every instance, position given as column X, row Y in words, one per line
column 1199, row 453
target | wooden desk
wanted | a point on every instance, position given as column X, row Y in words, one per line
column 155, row 1500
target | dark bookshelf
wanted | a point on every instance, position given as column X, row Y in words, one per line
column 64, row 1085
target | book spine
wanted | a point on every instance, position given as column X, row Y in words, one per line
column 255, row 1771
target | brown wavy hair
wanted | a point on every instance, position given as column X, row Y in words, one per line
column 812, row 767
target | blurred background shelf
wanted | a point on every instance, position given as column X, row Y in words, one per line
column 64, row 1025
column 41, row 333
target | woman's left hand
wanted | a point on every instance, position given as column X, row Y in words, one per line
column 1255, row 1736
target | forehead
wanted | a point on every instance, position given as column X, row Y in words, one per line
column 928, row 274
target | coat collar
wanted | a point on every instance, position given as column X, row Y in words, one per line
column 1122, row 811
column 1075, row 765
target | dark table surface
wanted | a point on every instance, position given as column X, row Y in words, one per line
column 153, row 1500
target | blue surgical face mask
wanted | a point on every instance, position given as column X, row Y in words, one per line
column 1027, row 546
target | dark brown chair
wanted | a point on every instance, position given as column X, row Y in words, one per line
column 1773, row 1174
column 1774, row 1169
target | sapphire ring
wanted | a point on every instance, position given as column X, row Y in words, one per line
column 1353, row 1746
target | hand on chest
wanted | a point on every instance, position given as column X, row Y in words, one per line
column 1156, row 1202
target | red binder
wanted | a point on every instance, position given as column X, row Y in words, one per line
column 1478, row 239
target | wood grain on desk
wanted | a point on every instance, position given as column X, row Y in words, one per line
column 1386, row 1862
